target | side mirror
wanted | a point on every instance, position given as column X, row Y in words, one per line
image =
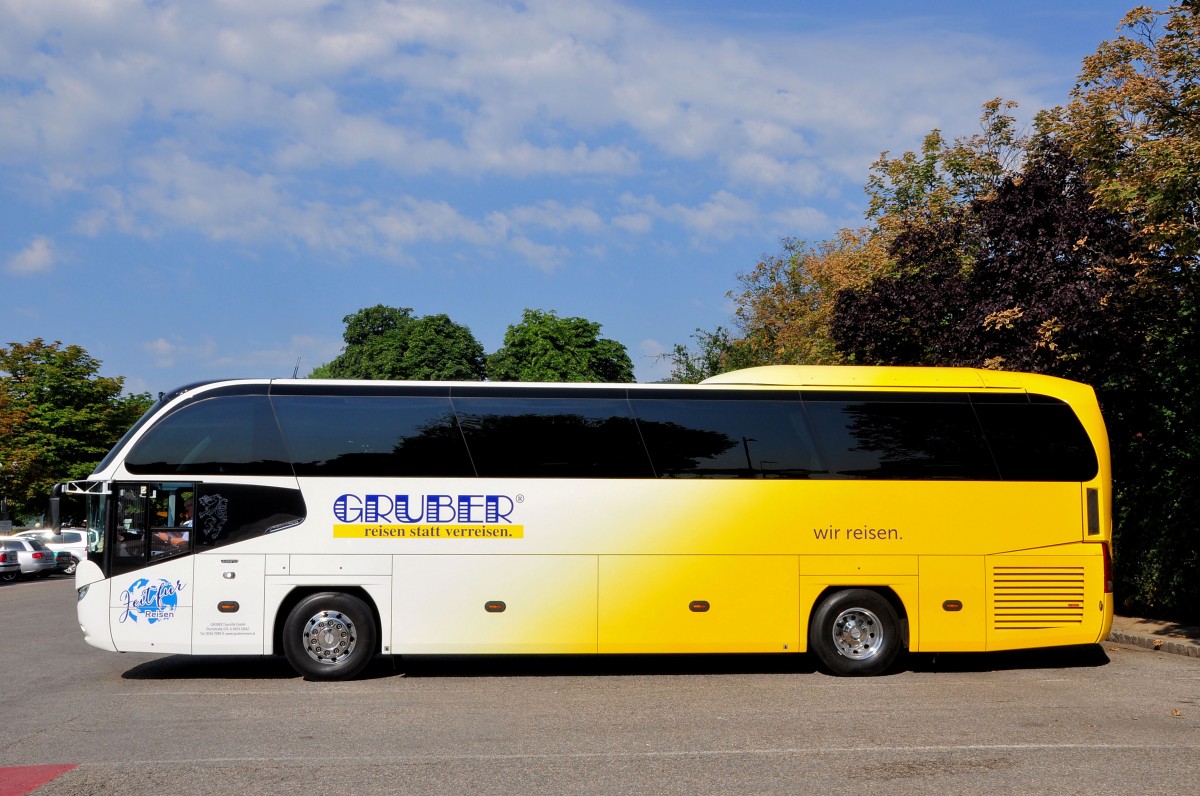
column 56, row 508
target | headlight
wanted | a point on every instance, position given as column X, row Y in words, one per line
column 83, row 592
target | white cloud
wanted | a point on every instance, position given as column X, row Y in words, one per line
column 225, row 203
column 555, row 216
column 652, row 348
column 36, row 258
column 542, row 256
column 416, row 221
column 637, row 223
column 651, row 363
column 800, row 221
column 161, row 351
column 283, row 120
column 300, row 355
column 803, row 177
column 718, row 218
column 166, row 353
column 204, row 357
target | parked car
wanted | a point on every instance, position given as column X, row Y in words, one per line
column 65, row 563
column 68, row 540
column 9, row 565
column 33, row 556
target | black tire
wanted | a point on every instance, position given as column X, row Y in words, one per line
column 330, row 636
column 9, row 577
column 70, row 568
column 855, row 633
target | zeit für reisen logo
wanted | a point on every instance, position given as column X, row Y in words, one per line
column 152, row 601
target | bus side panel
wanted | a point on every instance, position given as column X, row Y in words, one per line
column 150, row 610
column 1046, row 600
column 228, row 617
column 458, row 604
column 699, row 604
column 952, row 607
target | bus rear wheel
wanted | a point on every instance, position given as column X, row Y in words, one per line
column 855, row 632
column 329, row 636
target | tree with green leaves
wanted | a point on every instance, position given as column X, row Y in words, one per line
column 390, row 343
column 545, row 347
column 58, row 419
column 715, row 352
column 784, row 306
column 1134, row 119
column 1032, row 277
column 930, row 186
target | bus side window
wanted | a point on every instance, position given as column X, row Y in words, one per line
column 731, row 436
column 900, row 436
column 171, row 507
column 357, row 436
column 223, row 435
column 228, row 513
column 1036, row 439
column 543, row 435
column 129, row 540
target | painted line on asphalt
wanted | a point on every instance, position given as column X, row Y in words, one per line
column 20, row 780
column 811, row 750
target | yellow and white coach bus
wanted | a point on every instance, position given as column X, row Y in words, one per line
column 849, row 512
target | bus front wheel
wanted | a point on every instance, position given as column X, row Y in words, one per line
column 855, row 632
column 329, row 636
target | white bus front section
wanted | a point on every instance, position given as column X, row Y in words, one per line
column 223, row 602
column 148, row 610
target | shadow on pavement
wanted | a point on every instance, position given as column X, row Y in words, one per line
column 1077, row 657
column 600, row 665
column 205, row 667
column 212, row 667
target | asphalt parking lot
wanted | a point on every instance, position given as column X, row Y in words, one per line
column 1112, row 718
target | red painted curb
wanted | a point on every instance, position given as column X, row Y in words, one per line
column 20, row 780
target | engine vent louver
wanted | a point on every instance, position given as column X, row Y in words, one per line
column 1037, row 598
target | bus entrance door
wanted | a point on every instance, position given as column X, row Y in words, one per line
column 150, row 600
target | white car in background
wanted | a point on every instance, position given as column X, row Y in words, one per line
column 68, row 540
column 35, row 558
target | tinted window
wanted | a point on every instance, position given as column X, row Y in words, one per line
column 552, row 437
column 228, row 513
column 899, row 436
column 372, row 435
column 226, row 435
column 132, row 530
column 732, row 437
column 169, row 511
column 1041, row 441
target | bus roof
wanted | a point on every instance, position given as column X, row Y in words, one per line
column 862, row 376
column 869, row 376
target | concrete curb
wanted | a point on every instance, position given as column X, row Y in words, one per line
column 1188, row 647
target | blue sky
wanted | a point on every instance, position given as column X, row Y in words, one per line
column 199, row 190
